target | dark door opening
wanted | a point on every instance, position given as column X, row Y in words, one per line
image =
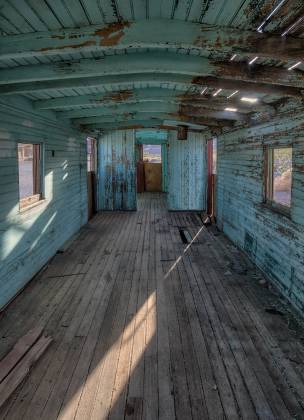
column 212, row 168
column 91, row 175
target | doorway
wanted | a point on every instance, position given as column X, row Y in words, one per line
column 151, row 161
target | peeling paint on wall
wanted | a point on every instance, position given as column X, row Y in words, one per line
column 117, row 176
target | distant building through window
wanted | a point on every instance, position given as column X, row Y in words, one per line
column 29, row 168
column 152, row 153
column 279, row 176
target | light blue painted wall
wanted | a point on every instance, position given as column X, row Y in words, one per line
column 117, row 171
column 274, row 242
column 29, row 239
column 187, row 172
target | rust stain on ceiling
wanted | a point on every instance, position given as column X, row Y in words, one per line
column 119, row 96
column 112, row 33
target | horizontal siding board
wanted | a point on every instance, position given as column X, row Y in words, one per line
column 29, row 239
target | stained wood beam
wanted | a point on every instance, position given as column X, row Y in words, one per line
column 156, row 124
column 159, row 79
column 140, row 63
column 161, row 94
column 166, row 107
column 178, row 116
column 153, row 33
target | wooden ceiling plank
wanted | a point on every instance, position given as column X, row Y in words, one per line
column 153, row 33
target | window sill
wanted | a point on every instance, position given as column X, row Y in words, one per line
column 277, row 209
column 33, row 205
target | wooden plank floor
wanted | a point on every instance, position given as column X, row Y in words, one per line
column 148, row 327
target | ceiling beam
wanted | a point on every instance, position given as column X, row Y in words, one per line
column 178, row 116
column 156, row 124
column 246, row 87
column 148, row 107
column 129, row 96
column 139, row 63
column 124, row 125
column 153, row 33
column 127, row 81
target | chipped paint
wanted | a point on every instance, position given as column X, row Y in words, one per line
column 116, row 186
column 73, row 46
column 119, row 96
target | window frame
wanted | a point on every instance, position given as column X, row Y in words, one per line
column 33, row 200
column 268, row 179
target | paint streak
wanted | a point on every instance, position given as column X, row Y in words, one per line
column 73, row 46
column 112, row 33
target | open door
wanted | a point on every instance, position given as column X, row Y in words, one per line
column 211, row 185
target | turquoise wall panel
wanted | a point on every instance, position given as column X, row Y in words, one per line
column 29, row 239
column 187, row 172
column 273, row 241
column 117, row 171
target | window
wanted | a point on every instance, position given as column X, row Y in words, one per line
column 29, row 166
column 279, row 176
column 91, row 154
column 152, row 153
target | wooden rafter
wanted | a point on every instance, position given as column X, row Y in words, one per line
column 140, row 63
column 135, row 116
column 152, row 107
column 119, row 81
column 130, row 96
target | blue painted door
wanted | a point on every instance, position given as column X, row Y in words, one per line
column 187, row 172
column 117, row 176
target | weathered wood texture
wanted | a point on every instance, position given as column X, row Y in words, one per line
column 273, row 241
column 117, row 174
column 29, row 239
column 186, row 172
column 147, row 327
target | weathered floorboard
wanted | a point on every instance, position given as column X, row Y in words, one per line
column 148, row 327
